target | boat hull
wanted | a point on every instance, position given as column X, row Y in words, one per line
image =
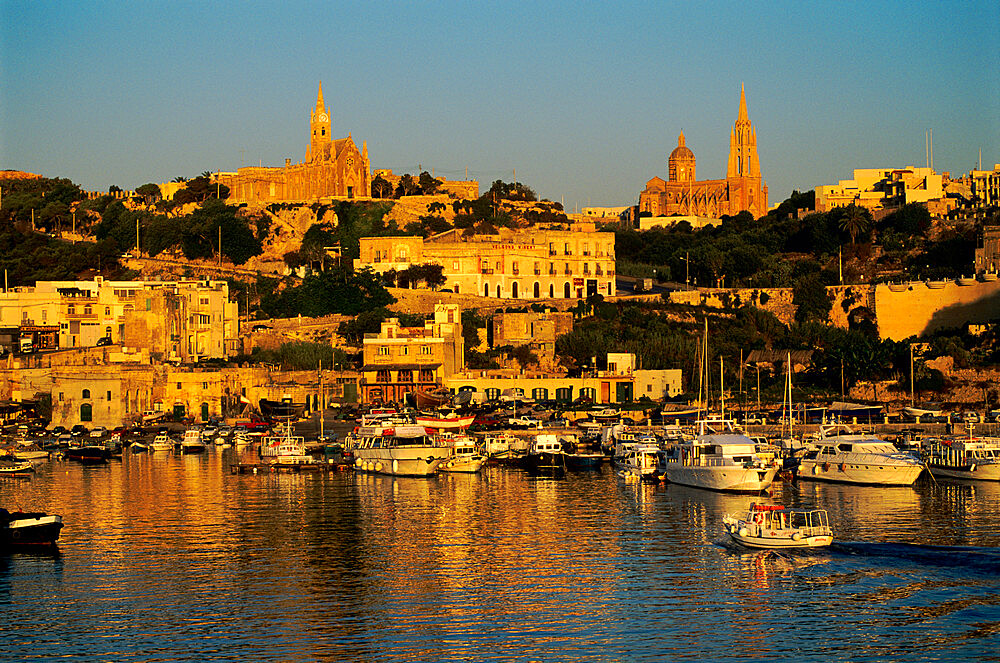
column 30, row 529
column 462, row 465
column 722, row 478
column 583, row 462
column 88, row 455
column 983, row 472
column 780, row 543
column 410, row 461
column 869, row 474
column 545, row 463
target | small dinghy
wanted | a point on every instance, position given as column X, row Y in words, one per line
column 773, row 526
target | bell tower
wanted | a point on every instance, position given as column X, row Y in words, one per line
column 743, row 144
column 319, row 130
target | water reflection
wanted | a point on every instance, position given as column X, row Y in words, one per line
column 168, row 556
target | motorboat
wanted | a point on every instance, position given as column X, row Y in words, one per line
column 719, row 457
column 162, row 442
column 842, row 456
column 91, row 454
column 403, row 450
column 969, row 458
column 21, row 529
column 445, row 423
column 139, row 447
column 464, row 455
column 29, row 451
column 545, row 455
column 577, row 457
column 643, row 464
column 774, row 526
column 241, row 441
column 192, row 442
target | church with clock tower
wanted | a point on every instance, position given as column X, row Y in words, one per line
column 742, row 189
column 331, row 169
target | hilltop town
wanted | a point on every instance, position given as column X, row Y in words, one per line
column 327, row 281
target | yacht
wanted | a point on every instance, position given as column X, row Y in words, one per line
column 842, row 456
column 403, row 450
column 719, row 457
column 285, row 449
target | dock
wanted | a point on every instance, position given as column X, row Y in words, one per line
column 297, row 468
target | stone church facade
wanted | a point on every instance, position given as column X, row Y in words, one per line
column 682, row 194
column 331, row 169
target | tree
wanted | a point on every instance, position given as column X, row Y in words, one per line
column 428, row 184
column 150, row 192
column 856, row 221
column 811, row 299
column 408, row 186
column 381, row 188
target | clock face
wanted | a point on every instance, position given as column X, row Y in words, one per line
column 323, row 117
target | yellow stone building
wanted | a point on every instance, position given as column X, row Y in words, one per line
column 523, row 264
column 682, row 193
column 331, row 169
column 400, row 360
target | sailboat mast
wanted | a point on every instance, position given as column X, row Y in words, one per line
column 722, row 391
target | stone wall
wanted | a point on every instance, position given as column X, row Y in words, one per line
column 917, row 307
column 423, row 301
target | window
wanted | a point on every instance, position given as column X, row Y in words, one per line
column 406, row 376
column 109, row 395
column 204, row 385
column 60, row 397
column 149, row 304
column 71, row 309
column 88, row 310
column 45, row 315
column 86, row 393
column 454, row 265
column 178, row 385
column 204, row 301
column 426, row 375
column 425, row 349
column 404, row 350
column 107, row 310
column 383, row 350
column 382, row 376
column 86, row 412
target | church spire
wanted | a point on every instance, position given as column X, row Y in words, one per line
column 320, row 106
column 742, row 116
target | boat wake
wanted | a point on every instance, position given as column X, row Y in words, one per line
column 970, row 559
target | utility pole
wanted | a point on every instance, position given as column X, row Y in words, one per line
column 138, row 252
column 220, row 246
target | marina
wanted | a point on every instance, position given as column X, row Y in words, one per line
column 527, row 568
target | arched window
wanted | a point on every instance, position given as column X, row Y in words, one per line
column 86, row 412
column 498, row 291
column 86, row 393
column 486, row 290
column 566, row 290
column 513, row 289
column 552, row 291
column 538, row 290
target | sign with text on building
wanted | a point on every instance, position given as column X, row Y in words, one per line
column 516, row 247
column 577, row 283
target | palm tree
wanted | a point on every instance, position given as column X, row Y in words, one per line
column 855, row 221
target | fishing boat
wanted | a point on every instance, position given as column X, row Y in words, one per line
column 404, row 450
column 503, row 448
column 284, row 409
column 431, row 398
column 192, row 442
column 577, row 456
column 643, row 464
column 91, row 454
column 162, row 442
column 545, row 455
column 842, row 456
column 241, row 440
column 773, row 526
column 21, row 529
column 445, row 423
column 139, row 447
column 719, row 457
column 464, row 455
column 16, row 467
column 285, row 449
column 969, row 458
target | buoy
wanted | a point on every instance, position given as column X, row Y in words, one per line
column 815, row 469
column 395, row 466
column 378, row 467
column 842, row 467
column 357, row 462
column 826, row 467
column 255, row 470
column 743, row 531
column 797, row 536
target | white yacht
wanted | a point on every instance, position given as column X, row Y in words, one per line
column 404, row 450
column 842, row 456
column 285, row 449
column 718, row 458
column 192, row 442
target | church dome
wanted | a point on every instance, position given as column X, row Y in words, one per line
column 682, row 151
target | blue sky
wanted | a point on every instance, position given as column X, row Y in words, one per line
column 583, row 100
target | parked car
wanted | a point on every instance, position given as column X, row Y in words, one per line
column 524, row 422
column 101, row 342
column 98, row 431
column 79, row 430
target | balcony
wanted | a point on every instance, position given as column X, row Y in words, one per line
column 586, row 253
column 552, row 271
column 552, row 252
column 515, row 271
column 586, row 271
column 537, row 271
column 486, row 270
column 568, row 272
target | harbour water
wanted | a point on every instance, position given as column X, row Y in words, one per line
column 168, row 558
